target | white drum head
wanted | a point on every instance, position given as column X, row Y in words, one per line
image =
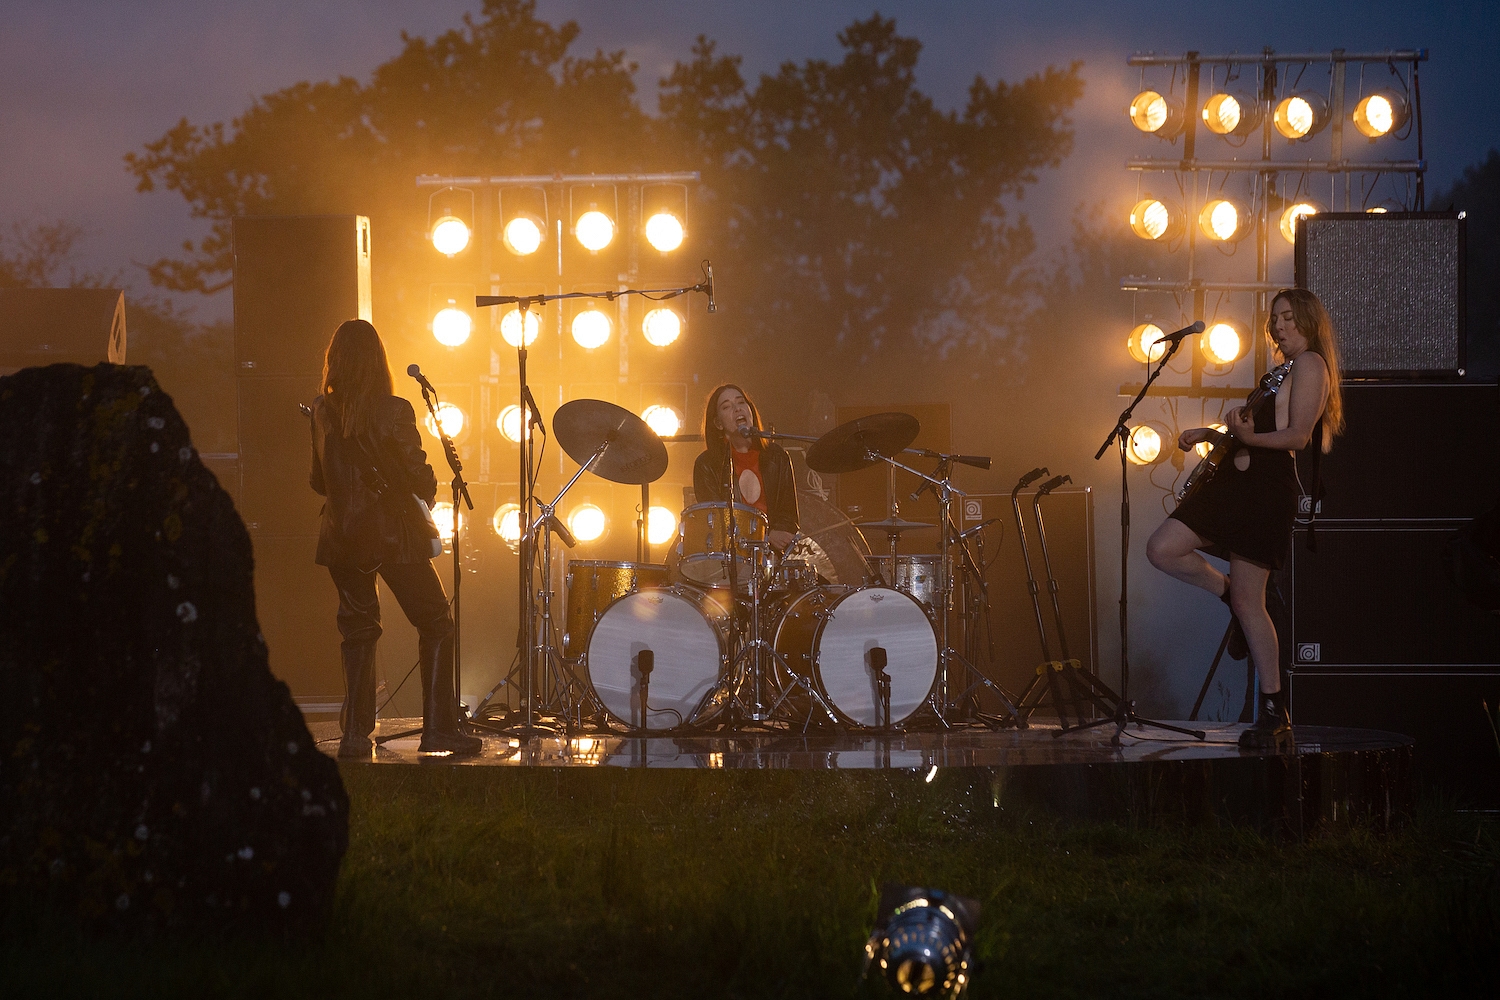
column 686, row 651
column 860, row 621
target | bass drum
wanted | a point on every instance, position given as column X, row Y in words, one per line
column 826, row 636
column 685, row 632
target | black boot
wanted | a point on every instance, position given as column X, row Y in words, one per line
column 1272, row 730
column 440, row 730
column 357, row 717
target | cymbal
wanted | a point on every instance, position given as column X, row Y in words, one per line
column 635, row 454
column 847, row 447
column 894, row 525
column 837, row 551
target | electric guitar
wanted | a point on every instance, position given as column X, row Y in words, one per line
column 1225, row 445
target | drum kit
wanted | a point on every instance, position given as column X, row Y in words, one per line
column 729, row 633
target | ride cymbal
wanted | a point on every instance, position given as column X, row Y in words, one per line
column 862, row 442
column 635, row 454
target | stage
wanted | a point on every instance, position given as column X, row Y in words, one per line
column 1336, row 776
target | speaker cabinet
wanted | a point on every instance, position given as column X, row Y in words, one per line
column 1394, row 285
column 296, row 604
column 45, row 326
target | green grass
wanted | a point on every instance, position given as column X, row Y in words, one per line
column 614, row 883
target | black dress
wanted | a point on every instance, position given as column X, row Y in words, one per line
column 1249, row 513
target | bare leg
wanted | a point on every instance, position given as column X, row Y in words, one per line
column 1173, row 549
column 1247, row 598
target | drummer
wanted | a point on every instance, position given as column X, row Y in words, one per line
column 761, row 470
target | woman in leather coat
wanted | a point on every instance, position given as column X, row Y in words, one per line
column 367, row 459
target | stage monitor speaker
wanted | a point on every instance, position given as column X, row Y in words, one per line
column 1394, row 285
column 276, row 456
column 864, row 495
column 1375, row 597
column 45, row 326
column 1413, row 451
column 297, row 607
column 296, row 278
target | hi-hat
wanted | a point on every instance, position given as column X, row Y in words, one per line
column 893, row 525
column 635, row 454
column 862, row 442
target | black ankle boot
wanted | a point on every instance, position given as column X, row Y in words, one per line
column 440, row 729
column 357, row 717
column 1272, row 729
column 1238, row 648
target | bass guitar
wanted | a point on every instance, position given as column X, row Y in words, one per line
column 1225, row 445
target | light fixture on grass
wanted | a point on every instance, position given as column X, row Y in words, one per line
column 923, row 941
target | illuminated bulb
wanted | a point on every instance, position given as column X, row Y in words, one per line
column 507, row 523
column 1221, row 344
column 661, row 525
column 1300, row 116
column 1204, row 447
column 664, row 420
column 1289, row 218
column 661, row 326
column 509, row 423
column 510, row 327
column 1222, row 114
column 523, row 235
column 1155, row 115
column 594, row 230
column 587, row 522
column 1145, row 343
column 591, row 328
column 1150, row 219
column 1376, row 210
column 1220, row 220
column 1380, row 114
column 1143, row 446
column 442, row 516
column 452, row 419
column 450, row 235
column 664, row 231
column 452, row 326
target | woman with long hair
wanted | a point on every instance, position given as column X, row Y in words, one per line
column 757, row 471
column 1246, row 512
column 368, row 462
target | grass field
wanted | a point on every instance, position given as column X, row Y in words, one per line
column 615, row 883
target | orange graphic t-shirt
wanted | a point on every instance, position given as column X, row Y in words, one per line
column 747, row 477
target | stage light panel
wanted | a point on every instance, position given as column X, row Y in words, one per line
column 587, row 522
column 1151, row 219
column 1223, row 220
column 661, row 525
column 1290, row 216
column 452, row 326
column 1226, row 114
column 452, row 419
column 510, row 327
column 661, row 326
column 1155, row 115
column 1300, row 116
column 664, row 231
column 591, row 328
column 507, row 523
column 664, row 420
column 1202, row 448
column 523, row 235
column 1381, row 113
column 509, row 423
column 1221, row 344
column 1143, row 445
column 442, row 516
column 594, row 230
column 1145, row 343
column 450, row 235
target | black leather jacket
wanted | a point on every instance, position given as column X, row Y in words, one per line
column 775, row 474
column 359, row 528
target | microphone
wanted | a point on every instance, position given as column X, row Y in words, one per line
column 1186, row 331
column 708, row 267
column 978, row 527
column 536, row 415
column 416, row 372
column 743, row 426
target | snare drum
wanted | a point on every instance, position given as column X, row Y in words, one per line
column 702, row 555
column 826, row 635
column 592, row 584
column 685, row 631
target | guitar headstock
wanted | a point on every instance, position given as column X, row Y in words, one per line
column 1272, row 379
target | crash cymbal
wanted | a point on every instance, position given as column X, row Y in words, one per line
column 848, row 447
column 893, row 525
column 830, row 542
column 635, row 454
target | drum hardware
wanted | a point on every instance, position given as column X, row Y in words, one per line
column 977, row 615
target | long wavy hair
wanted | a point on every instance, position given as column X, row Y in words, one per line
column 716, row 438
column 356, row 376
column 1316, row 325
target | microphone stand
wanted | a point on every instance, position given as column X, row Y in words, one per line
column 1125, row 713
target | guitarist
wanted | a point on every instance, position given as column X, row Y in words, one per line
column 1245, row 511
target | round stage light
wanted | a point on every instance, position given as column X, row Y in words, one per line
column 591, row 329
column 1145, row 343
column 450, row 235
column 510, row 327
column 1155, row 115
column 661, row 326
column 522, row 235
column 1300, row 116
column 1225, row 114
column 442, row 516
column 1143, row 445
column 1204, row 447
column 594, row 230
column 509, row 423
column 664, row 420
column 1150, row 219
column 1222, row 220
column 507, row 523
column 1295, row 211
column 587, row 523
column 452, row 326
column 661, row 525
column 664, row 231
column 1221, row 344
column 1380, row 114
column 452, row 419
